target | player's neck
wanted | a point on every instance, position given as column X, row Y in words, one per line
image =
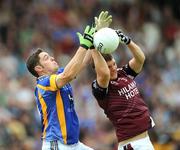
column 42, row 76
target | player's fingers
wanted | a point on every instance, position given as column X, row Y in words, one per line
column 108, row 19
column 92, row 30
column 95, row 20
column 79, row 35
column 105, row 15
column 87, row 29
column 101, row 14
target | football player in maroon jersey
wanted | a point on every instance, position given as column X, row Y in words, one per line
column 117, row 94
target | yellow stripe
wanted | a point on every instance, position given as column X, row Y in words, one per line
column 52, row 86
column 44, row 110
column 61, row 116
column 46, row 88
column 53, row 81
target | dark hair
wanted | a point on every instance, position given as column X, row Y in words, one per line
column 107, row 57
column 33, row 61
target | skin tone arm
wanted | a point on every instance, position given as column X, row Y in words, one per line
column 102, row 70
column 87, row 60
column 136, row 63
column 72, row 68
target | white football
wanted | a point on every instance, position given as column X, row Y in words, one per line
column 106, row 40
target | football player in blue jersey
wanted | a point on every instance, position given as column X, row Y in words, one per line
column 54, row 96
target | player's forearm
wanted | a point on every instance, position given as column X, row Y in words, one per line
column 74, row 66
column 100, row 64
column 87, row 60
column 137, row 52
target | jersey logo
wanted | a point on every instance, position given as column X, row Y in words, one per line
column 70, row 97
column 129, row 91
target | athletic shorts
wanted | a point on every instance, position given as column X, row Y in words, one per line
column 140, row 144
column 56, row 145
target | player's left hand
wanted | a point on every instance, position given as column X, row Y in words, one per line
column 104, row 20
column 122, row 37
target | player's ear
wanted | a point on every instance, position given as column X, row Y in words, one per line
column 38, row 68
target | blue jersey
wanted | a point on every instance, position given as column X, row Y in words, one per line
column 56, row 107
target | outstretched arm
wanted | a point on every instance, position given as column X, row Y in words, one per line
column 74, row 66
column 87, row 60
column 101, row 67
column 102, row 70
column 136, row 63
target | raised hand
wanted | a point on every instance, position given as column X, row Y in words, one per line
column 104, row 20
column 86, row 40
column 122, row 37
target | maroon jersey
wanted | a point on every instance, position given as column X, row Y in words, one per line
column 123, row 104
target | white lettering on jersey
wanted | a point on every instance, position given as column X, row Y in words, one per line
column 70, row 97
column 129, row 91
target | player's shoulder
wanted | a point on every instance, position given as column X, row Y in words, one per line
column 98, row 91
column 44, row 80
column 128, row 71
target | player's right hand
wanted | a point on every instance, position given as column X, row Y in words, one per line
column 86, row 40
column 103, row 20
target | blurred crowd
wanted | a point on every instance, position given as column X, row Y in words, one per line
column 52, row 25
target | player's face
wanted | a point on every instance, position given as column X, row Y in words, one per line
column 113, row 69
column 47, row 63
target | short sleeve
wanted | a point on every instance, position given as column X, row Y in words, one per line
column 48, row 83
column 98, row 92
column 129, row 71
